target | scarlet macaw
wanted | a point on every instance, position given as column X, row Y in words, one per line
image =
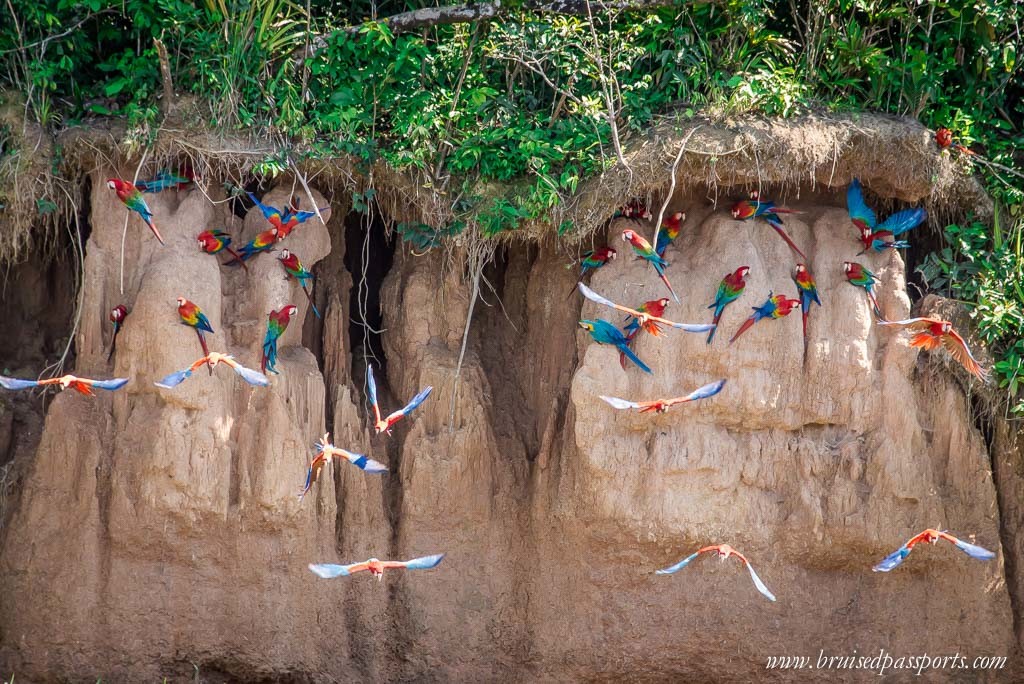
column 754, row 208
column 594, row 260
column 643, row 250
column 654, row 307
column 326, row 452
column 636, row 210
column 376, row 567
column 862, row 277
column 80, row 385
column 604, row 332
column 277, row 322
column 285, row 221
column 216, row 241
column 729, row 291
column 165, row 180
column 662, row 405
column 261, row 243
column 212, row 359
column 643, row 318
column 808, row 292
column 117, row 316
column 932, row 332
column 724, row 551
column 294, row 268
column 931, row 536
column 132, row 198
column 775, row 307
column 384, row 424
column 193, row 317
column 880, row 236
column 944, row 139
column 670, row 227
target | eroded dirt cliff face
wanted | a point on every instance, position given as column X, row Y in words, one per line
column 158, row 532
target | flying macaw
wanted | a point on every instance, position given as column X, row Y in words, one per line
column 594, row 260
column 284, row 220
column 294, row 268
column 862, row 277
column 662, row 405
column 929, row 333
column 80, row 385
column 216, row 241
column 263, row 242
column 643, row 318
column 754, row 208
column 117, row 316
column 724, row 551
column 604, row 332
column 775, row 307
column 376, row 567
column 384, row 424
column 277, row 322
column 192, row 316
column 212, row 359
column 636, row 210
column 643, row 250
column 132, row 198
column 931, row 536
column 808, row 291
column 729, row 291
column 944, row 139
column 166, row 180
column 670, row 227
column 634, row 325
column 880, row 236
column 326, row 452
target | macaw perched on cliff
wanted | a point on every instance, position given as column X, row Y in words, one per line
column 192, row 316
column 670, row 227
column 931, row 536
column 376, row 567
column 642, row 317
column 594, row 260
column 326, row 452
column 251, row 376
column 944, row 139
column 663, row 405
column 80, row 385
column 634, row 325
column 636, row 210
column 862, row 277
column 604, row 332
column 166, row 180
column 277, row 322
column 117, row 316
column 643, row 250
column 729, row 291
column 384, row 424
column 284, row 220
column 723, row 551
column 132, row 198
column 880, row 236
column 755, row 207
column 264, row 242
column 216, row 241
column 808, row 291
column 929, row 333
column 294, row 268
column 775, row 307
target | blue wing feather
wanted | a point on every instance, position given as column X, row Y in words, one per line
column 678, row 566
column 424, row 563
column 902, row 221
column 252, row 377
column 113, row 384
column 368, row 464
column 16, row 384
column 974, row 551
column 857, row 207
column 328, row 570
column 694, row 327
column 893, row 559
column 759, row 584
column 267, row 210
column 371, row 385
column 706, row 391
column 174, row 379
column 416, row 401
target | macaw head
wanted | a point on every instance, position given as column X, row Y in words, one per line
column 118, row 313
column 587, row 325
column 375, row 568
column 931, row 536
column 66, row 381
column 283, row 254
column 755, row 195
column 946, row 327
column 724, row 551
column 115, row 183
column 203, row 237
column 181, row 301
column 847, row 266
column 800, row 268
column 291, row 310
column 663, row 302
column 737, row 210
column 628, row 235
column 611, row 253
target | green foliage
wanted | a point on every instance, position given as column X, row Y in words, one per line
column 422, row 237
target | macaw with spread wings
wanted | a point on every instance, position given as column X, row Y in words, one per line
column 642, row 317
column 724, row 551
column 880, row 236
column 80, row 385
column 929, row 333
column 375, row 566
column 253, row 377
column 384, row 424
column 931, row 536
column 325, row 451
column 662, row 405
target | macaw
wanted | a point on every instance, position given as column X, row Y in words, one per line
column 285, row 221
column 212, row 359
column 670, row 227
column 594, row 260
column 277, row 322
column 132, row 198
column 642, row 317
column 80, row 385
column 193, row 317
column 662, row 405
column 384, row 424
column 729, row 291
column 944, row 139
column 117, row 316
column 326, row 452
column 634, row 325
column 754, row 207
column 166, row 180
column 931, row 536
column 862, row 277
column 604, row 332
column 376, row 567
column 643, row 250
column 932, row 332
column 808, row 292
column 294, row 268
column 263, row 242
column 724, row 551
column 636, row 210
column 216, row 241
column 775, row 307
column 880, row 236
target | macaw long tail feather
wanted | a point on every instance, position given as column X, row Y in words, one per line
column 664, row 279
column 743, row 328
column 206, row 350
column 789, row 241
column 718, row 316
column 806, row 312
column 634, row 358
column 874, row 304
column 311, row 304
column 237, row 258
column 152, row 227
column 113, row 342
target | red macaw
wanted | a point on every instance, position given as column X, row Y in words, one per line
column 263, row 242
column 80, row 385
column 117, row 316
column 932, row 332
column 670, row 227
column 723, row 551
column 642, row 317
column 636, row 210
column 643, row 250
column 880, row 236
column 326, row 452
column 944, row 139
column 808, row 292
column 775, row 307
column 594, row 260
column 192, row 316
column 663, row 405
column 384, row 424
column 166, row 180
column 211, row 360
column 216, row 241
column 654, row 307
column 287, row 220
column 132, row 198
column 931, row 536
column 277, row 323
column 754, row 207
column 729, row 291
column 376, row 567
column 862, row 277
column 294, row 268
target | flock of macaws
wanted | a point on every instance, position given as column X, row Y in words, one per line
column 874, row 236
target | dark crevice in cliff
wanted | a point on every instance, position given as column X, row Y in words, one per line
column 369, row 253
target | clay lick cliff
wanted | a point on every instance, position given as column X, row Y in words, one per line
column 151, row 534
